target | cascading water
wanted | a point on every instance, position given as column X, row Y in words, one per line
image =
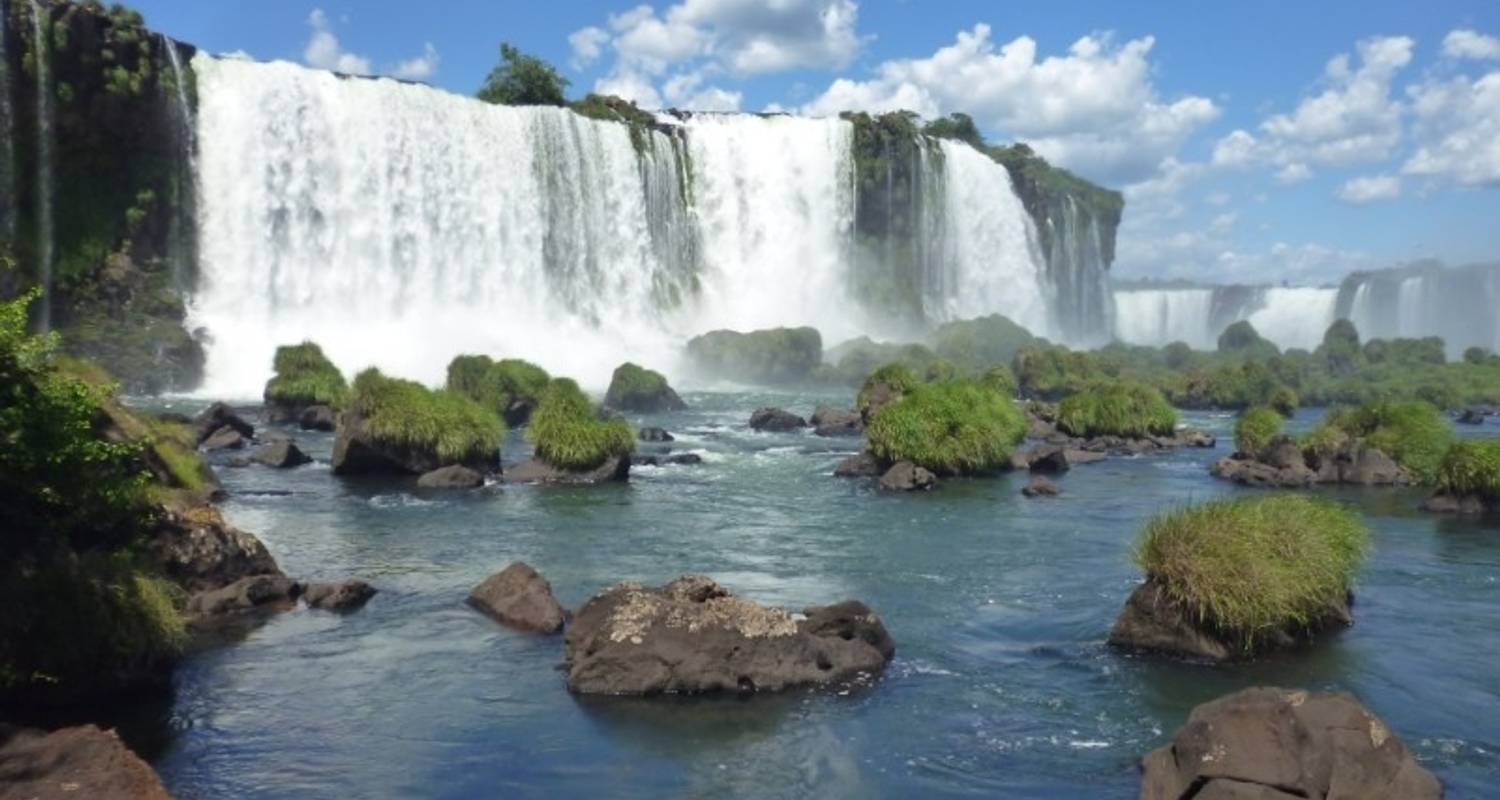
column 41, row 48
column 1295, row 317
column 1161, row 316
column 1457, row 304
column 180, row 254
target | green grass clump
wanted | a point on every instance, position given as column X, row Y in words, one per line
column 1412, row 432
column 955, row 427
column 1000, row 379
column 1250, row 567
column 1284, row 400
column 898, row 377
column 568, row 432
column 455, row 428
column 1255, row 429
column 635, row 388
column 1471, row 467
column 305, row 377
column 496, row 384
column 1117, row 408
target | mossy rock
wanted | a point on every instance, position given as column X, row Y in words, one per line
column 635, row 388
column 1471, row 468
column 1255, row 429
column 956, row 427
column 976, row 344
column 304, row 378
column 1118, row 408
column 400, row 426
column 569, row 434
column 1413, row 433
column 882, row 387
column 511, row 387
column 777, row 356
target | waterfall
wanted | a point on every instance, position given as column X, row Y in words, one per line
column 1295, row 317
column 1157, row 317
column 179, row 237
column 41, row 49
column 1457, row 304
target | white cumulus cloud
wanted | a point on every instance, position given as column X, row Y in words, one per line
column 420, row 68
column 1471, row 44
column 1458, row 130
column 1370, row 189
column 324, row 51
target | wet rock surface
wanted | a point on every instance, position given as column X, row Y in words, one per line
column 652, row 434
column 1152, row 621
column 692, row 636
column 347, row 595
column 1040, row 487
column 1282, row 464
column 453, row 476
column 904, row 476
column 830, row 421
column 520, row 597
column 220, row 415
column 860, row 465
column 318, row 418
column 775, row 420
column 281, row 454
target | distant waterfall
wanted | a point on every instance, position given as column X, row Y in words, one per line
column 1162, row 316
column 42, row 48
column 1459, row 304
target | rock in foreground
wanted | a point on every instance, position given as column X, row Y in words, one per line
column 81, row 762
column 1280, row 744
column 520, row 597
column 692, row 636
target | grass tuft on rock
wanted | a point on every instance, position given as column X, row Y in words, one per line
column 406, row 413
column 955, row 427
column 1413, row 432
column 1117, row 408
column 1471, row 467
column 568, row 433
column 1250, row 567
column 1255, row 429
column 898, row 378
column 305, row 377
column 496, row 385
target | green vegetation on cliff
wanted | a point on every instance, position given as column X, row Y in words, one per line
column 890, row 380
column 980, row 343
column 568, row 433
column 1117, row 408
column 954, row 427
column 1255, row 429
column 1254, row 567
column 305, row 377
column 523, row 80
column 406, row 413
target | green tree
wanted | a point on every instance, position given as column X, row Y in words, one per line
column 523, row 80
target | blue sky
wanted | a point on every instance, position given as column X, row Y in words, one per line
column 1271, row 141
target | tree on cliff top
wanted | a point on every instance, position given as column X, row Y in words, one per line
column 523, row 80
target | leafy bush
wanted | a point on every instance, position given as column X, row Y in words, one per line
column 305, row 377
column 569, row 434
column 1118, row 408
column 773, row 356
column 1255, row 429
column 496, row 385
column 523, row 80
column 1251, row 567
column 406, row 413
column 1284, row 400
column 1471, row 467
column 952, row 428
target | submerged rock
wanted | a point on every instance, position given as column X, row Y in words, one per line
column 775, row 419
column 80, row 762
column 281, row 454
column 1154, row 622
column 1279, row 744
column 1053, row 459
column 692, row 635
column 904, row 476
column 1040, row 487
column 520, row 597
column 860, row 465
column 538, row 471
column 1443, row 503
column 349, row 595
column 318, row 418
column 453, row 476
column 829, row 421
column 652, row 434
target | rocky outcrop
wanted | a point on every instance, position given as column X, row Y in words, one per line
column 198, row 550
column 80, row 762
column 271, row 592
column 453, row 476
column 677, row 459
column 1281, row 744
column 1039, row 426
column 1154, row 622
column 342, row 596
column 692, row 636
column 520, row 597
column 1040, row 487
column 537, row 471
column 217, row 417
column 635, row 388
column 357, row 451
column 318, row 418
column 830, row 421
column 225, row 438
column 904, row 476
column 776, row 420
column 281, row 454
column 651, row 434
column 1282, row 464
column 860, row 465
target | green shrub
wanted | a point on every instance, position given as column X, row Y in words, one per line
column 1251, row 567
column 1471, row 467
column 941, row 370
column 896, row 377
column 1476, row 355
column 305, row 377
column 952, row 428
column 773, row 356
column 1000, row 379
column 406, row 413
column 1242, row 338
column 1255, row 429
column 523, row 80
column 1413, row 433
column 974, row 344
column 635, row 388
column 568, row 432
column 1284, row 400
column 496, row 385
column 1118, row 408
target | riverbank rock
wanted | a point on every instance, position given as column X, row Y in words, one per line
column 220, row 415
column 79, row 762
column 538, row 471
column 1153, row 622
column 860, row 465
column 692, row 636
column 1040, row 487
column 198, row 550
column 655, row 435
column 281, row 454
column 830, row 421
column 1279, row 744
column 453, row 476
column 776, row 420
column 343, row 596
column 904, row 476
column 520, row 597
column 275, row 592
column 677, row 459
column 318, row 418
column 1282, row 464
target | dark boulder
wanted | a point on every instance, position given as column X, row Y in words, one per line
column 453, row 476
column 256, row 592
column 198, row 550
column 1055, row 459
column 775, row 419
column 646, row 391
column 220, row 415
column 347, row 595
column 904, row 476
column 225, row 438
column 1282, row 464
column 829, row 421
column 318, row 418
column 80, row 762
column 860, row 465
column 520, row 597
column 1154, row 622
column 538, row 471
column 655, row 435
column 1040, row 487
column 693, row 636
column 1279, row 744
column 281, row 454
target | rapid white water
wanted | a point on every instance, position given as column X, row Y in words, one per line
column 1161, row 316
column 1295, row 317
column 41, row 39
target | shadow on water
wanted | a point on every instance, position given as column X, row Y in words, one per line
column 144, row 719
